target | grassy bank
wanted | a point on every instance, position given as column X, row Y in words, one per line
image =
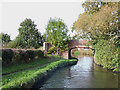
column 27, row 78
column 22, row 66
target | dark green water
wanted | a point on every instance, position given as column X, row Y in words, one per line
column 85, row 74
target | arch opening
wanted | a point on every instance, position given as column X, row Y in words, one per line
column 69, row 51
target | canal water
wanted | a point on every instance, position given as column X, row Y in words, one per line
column 85, row 74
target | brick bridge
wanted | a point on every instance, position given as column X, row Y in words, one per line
column 71, row 45
column 75, row 44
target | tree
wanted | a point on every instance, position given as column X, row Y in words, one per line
column 45, row 37
column 4, row 38
column 28, row 35
column 100, row 24
column 93, row 7
column 56, row 32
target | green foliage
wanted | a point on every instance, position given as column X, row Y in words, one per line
column 17, row 43
column 7, row 55
column 99, row 23
column 11, row 44
column 31, row 54
column 102, row 24
column 93, row 7
column 74, row 37
column 28, row 35
column 77, row 52
column 4, row 39
column 107, row 54
column 38, row 53
column 19, row 66
column 22, row 79
column 45, row 37
column 57, row 33
column 52, row 50
column 20, row 42
column 17, row 56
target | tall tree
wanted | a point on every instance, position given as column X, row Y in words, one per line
column 103, row 23
column 4, row 38
column 29, row 35
column 57, row 33
column 93, row 7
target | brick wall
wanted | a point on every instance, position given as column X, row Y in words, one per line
column 77, row 42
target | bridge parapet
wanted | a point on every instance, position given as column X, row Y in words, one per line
column 78, row 42
column 80, row 46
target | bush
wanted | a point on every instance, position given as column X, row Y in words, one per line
column 52, row 50
column 38, row 53
column 7, row 55
column 25, row 56
column 107, row 54
column 18, row 56
column 31, row 54
column 11, row 44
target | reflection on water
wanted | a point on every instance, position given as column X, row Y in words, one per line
column 85, row 74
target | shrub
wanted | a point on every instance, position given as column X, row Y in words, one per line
column 18, row 56
column 30, row 54
column 21, row 56
column 7, row 55
column 107, row 54
column 52, row 50
column 38, row 53
column 11, row 44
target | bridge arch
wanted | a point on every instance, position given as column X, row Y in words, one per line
column 70, row 49
column 78, row 44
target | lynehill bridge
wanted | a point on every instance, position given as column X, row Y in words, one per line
column 75, row 44
column 72, row 44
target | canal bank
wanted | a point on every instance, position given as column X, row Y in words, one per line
column 52, row 68
column 113, row 69
column 29, row 78
column 85, row 74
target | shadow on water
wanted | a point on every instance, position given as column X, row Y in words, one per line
column 85, row 74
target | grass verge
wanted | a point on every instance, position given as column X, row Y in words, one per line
column 26, row 79
column 22, row 66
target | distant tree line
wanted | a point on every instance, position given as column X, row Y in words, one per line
column 29, row 36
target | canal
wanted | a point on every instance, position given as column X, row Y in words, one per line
column 85, row 74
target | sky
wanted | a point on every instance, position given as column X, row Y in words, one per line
column 13, row 13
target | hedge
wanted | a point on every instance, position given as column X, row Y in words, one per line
column 19, row 55
column 107, row 55
column 7, row 55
